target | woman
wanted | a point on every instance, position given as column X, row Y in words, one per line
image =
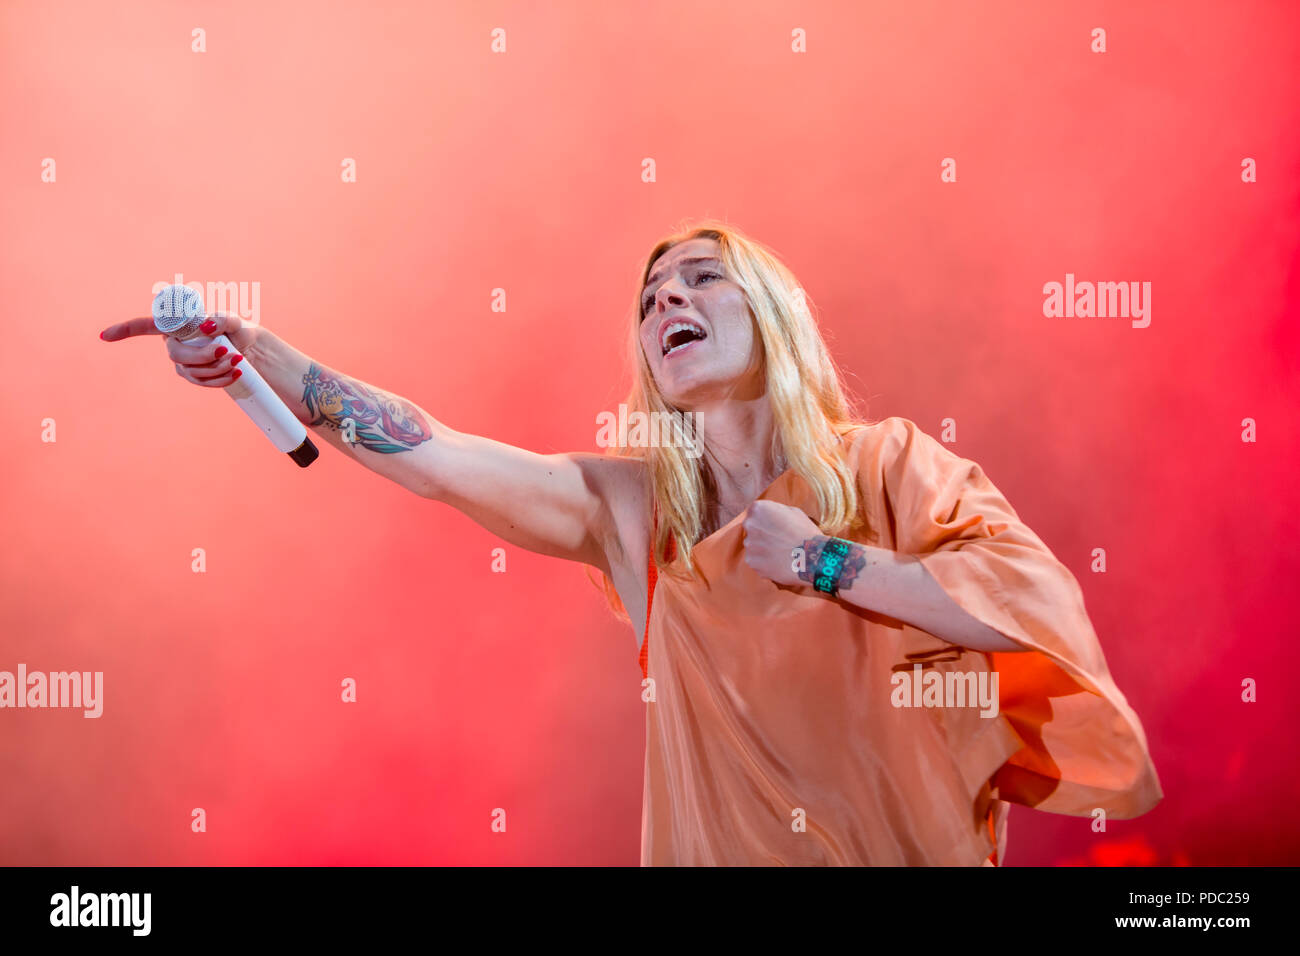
column 854, row 651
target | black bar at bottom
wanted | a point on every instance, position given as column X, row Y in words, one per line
column 976, row 907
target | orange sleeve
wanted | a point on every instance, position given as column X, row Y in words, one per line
column 1084, row 747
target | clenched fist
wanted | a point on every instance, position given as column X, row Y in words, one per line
column 772, row 532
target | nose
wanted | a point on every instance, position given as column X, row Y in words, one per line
column 675, row 299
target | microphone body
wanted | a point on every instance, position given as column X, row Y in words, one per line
column 178, row 312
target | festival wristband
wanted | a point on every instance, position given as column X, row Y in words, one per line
column 830, row 565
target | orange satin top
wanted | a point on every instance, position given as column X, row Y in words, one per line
column 772, row 738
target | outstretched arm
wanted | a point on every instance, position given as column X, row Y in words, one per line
column 558, row 505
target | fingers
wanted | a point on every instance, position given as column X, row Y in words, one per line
column 214, row 365
column 222, row 373
column 142, row 325
column 204, row 356
column 199, row 355
column 210, row 367
column 217, row 376
column 226, row 324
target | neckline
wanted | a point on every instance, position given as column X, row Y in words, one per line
column 741, row 514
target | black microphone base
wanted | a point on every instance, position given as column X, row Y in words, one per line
column 305, row 453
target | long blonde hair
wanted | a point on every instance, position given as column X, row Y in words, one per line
column 809, row 406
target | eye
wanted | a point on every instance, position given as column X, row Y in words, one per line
column 648, row 301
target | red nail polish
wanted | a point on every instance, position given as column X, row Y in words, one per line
column 238, row 372
column 208, row 326
column 236, row 360
column 221, row 350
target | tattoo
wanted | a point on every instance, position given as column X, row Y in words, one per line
column 380, row 422
column 855, row 559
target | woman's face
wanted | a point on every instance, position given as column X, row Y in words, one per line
column 718, row 355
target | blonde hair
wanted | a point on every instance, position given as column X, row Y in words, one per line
column 809, row 406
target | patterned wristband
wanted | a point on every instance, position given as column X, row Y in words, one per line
column 830, row 564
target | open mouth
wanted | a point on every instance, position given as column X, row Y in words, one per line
column 678, row 335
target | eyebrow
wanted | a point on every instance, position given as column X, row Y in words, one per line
column 684, row 262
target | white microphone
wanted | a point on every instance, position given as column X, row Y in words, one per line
column 178, row 312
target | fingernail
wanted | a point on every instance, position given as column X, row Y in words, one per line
column 221, row 350
column 236, row 360
column 208, row 326
column 238, row 372
column 101, row 336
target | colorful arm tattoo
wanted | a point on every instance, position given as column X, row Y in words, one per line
column 380, row 422
column 831, row 564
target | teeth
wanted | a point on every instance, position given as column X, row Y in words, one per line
column 677, row 327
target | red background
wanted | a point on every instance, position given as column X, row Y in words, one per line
column 521, row 171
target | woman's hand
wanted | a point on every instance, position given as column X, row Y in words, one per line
column 772, row 533
column 211, row 365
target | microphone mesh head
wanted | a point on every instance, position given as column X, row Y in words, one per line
column 175, row 307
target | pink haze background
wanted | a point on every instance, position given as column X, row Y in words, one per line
column 521, row 171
